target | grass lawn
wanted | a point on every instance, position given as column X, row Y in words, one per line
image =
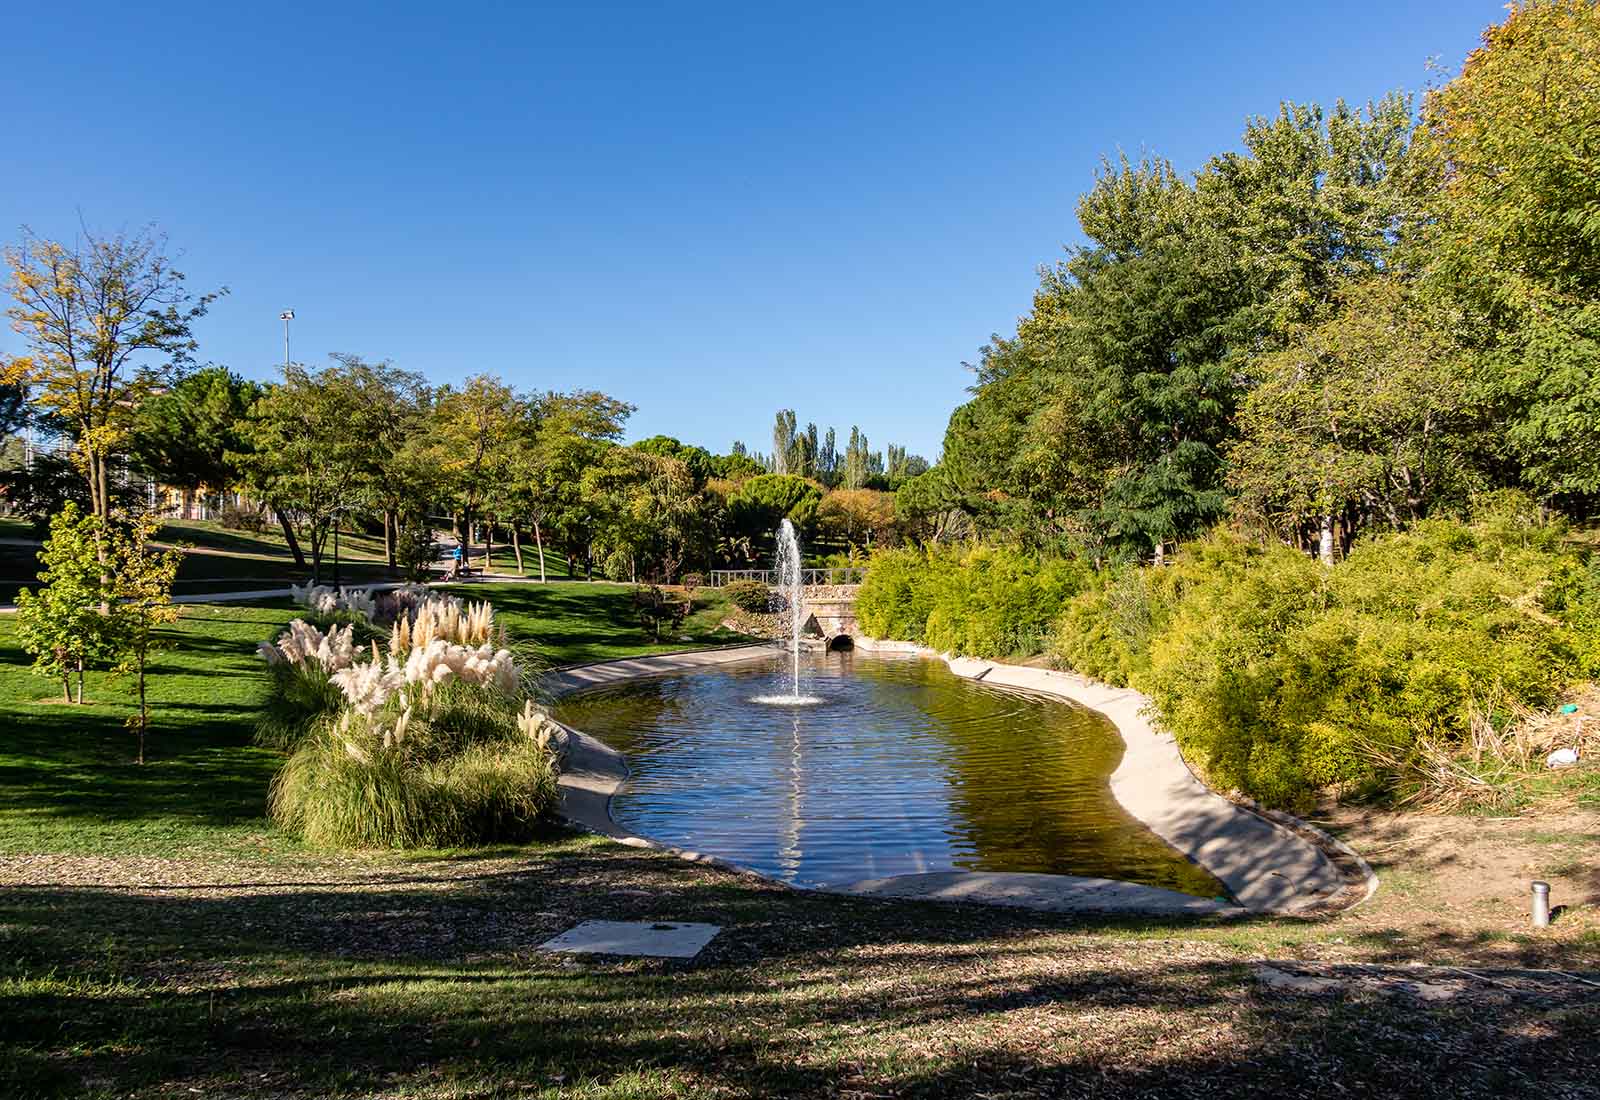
column 571, row 622
column 159, row 938
column 555, row 564
column 67, row 778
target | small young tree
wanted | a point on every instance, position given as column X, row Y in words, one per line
column 61, row 624
column 143, row 577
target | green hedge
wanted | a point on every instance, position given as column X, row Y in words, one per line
column 1278, row 676
column 747, row 595
column 979, row 601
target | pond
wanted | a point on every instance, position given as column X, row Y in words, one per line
column 898, row 767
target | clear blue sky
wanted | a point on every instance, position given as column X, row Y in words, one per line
column 710, row 210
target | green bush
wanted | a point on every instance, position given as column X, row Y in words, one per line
column 1281, row 677
column 1106, row 630
column 463, row 773
column 894, row 599
column 234, row 517
column 979, row 601
column 747, row 595
column 999, row 602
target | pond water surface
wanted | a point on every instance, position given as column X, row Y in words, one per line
column 901, row 767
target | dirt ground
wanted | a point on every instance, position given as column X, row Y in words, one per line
column 1466, row 880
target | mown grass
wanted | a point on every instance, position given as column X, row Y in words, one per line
column 424, row 979
column 570, row 622
column 68, row 782
column 67, row 778
column 505, row 561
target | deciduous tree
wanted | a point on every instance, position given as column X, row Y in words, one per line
column 143, row 577
column 107, row 323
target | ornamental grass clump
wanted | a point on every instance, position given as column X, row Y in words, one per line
column 467, row 767
column 446, row 619
column 301, row 665
column 432, row 744
column 326, row 600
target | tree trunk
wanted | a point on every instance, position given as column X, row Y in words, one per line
column 80, row 681
column 336, row 553
column 516, row 547
column 99, row 498
column 388, row 537
column 316, row 555
column 466, row 538
column 488, row 546
column 290, row 538
column 539, row 540
column 1325, row 540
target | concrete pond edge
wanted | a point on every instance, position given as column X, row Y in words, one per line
column 1270, row 862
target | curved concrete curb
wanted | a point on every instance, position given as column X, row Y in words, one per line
column 1050, row 893
column 1266, row 867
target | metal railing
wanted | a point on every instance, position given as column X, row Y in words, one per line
column 844, row 574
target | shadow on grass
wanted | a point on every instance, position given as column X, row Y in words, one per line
column 341, row 987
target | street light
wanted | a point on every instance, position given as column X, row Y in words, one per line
column 286, row 316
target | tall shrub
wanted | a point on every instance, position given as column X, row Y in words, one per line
column 998, row 601
column 64, row 623
column 1281, row 677
column 893, row 600
column 978, row 601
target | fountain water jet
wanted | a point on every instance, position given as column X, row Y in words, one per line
column 791, row 582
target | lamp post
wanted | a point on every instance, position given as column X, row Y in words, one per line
column 286, row 316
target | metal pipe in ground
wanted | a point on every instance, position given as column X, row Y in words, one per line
column 1541, row 905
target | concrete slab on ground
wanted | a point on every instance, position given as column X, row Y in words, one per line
column 656, row 939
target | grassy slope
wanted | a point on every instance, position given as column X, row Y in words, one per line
column 225, row 560
column 251, row 967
